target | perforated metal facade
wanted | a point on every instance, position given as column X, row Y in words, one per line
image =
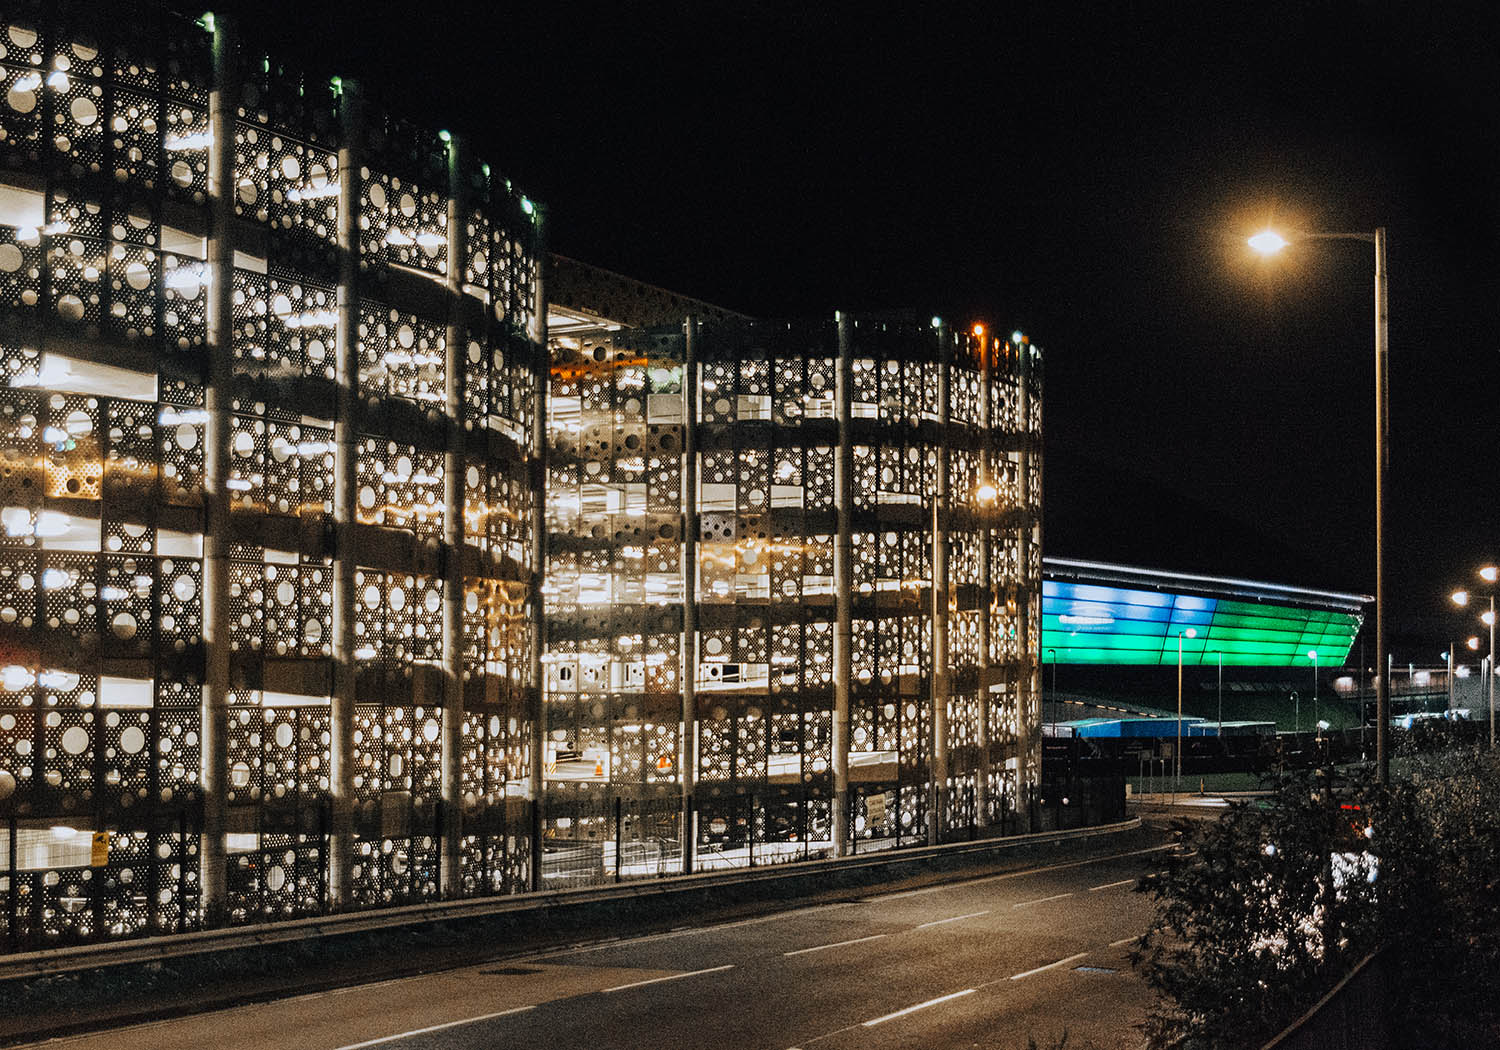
column 269, row 402
column 323, row 586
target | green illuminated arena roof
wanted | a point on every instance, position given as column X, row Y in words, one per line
column 1098, row 613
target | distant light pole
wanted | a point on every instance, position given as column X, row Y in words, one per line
column 1269, row 243
column 1220, row 654
column 1054, row 682
column 1177, row 754
column 1449, row 657
column 1312, row 654
column 1488, row 574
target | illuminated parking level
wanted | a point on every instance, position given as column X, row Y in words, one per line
column 766, row 537
column 330, row 579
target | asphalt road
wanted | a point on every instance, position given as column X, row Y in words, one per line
column 987, row 962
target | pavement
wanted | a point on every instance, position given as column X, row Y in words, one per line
column 981, row 961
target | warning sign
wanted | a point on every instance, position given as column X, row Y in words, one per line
column 875, row 809
column 99, row 852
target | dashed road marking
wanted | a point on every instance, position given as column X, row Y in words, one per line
column 673, row 977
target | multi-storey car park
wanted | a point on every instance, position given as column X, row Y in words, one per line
column 329, row 578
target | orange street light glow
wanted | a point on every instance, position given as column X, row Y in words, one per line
column 1268, row 242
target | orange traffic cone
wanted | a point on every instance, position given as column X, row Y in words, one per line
column 599, row 768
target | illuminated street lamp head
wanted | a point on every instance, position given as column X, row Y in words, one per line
column 1487, row 617
column 986, row 494
column 1473, row 643
column 1460, row 597
column 1312, row 654
column 1489, row 573
column 1268, row 242
column 1191, row 632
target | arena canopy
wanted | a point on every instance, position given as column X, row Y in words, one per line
column 1099, row 613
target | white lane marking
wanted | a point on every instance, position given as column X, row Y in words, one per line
column 920, row 1006
column 1112, row 885
column 838, row 944
column 1042, row 900
column 1049, row 966
column 659, row 980
column 956, row 918
column 1016, row 874
column 683, row 931
column 436, row 1028
column 1124, row 941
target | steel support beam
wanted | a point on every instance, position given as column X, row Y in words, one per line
column 217, row 401
column 938, row 771
column 455, row 356
column 1027, row 739
column 843, row 584
column 985, row 509
column 537, row 334
column 688, row 652
column 345, row 486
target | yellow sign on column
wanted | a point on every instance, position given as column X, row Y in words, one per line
column 99, row 853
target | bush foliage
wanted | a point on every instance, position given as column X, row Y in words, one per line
column 1261, row 913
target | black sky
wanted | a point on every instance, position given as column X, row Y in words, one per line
column 1085, row 171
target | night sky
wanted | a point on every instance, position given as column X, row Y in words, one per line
column 1086, row 172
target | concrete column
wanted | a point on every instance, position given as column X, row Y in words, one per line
column 537, row 333
column 218, row 396
column 1027, row 740
column 345, row 484
column 689, row 644
column 942, row 678
column 454, row 467
column 986, row 583
column 843, row 582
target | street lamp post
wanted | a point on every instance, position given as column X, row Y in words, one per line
column 1177, row 752
column 1268, row 243
column 1312, row 654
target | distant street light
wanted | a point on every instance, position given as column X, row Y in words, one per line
column 1269, row 242
column 1488, row 574
column 1177, row 754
